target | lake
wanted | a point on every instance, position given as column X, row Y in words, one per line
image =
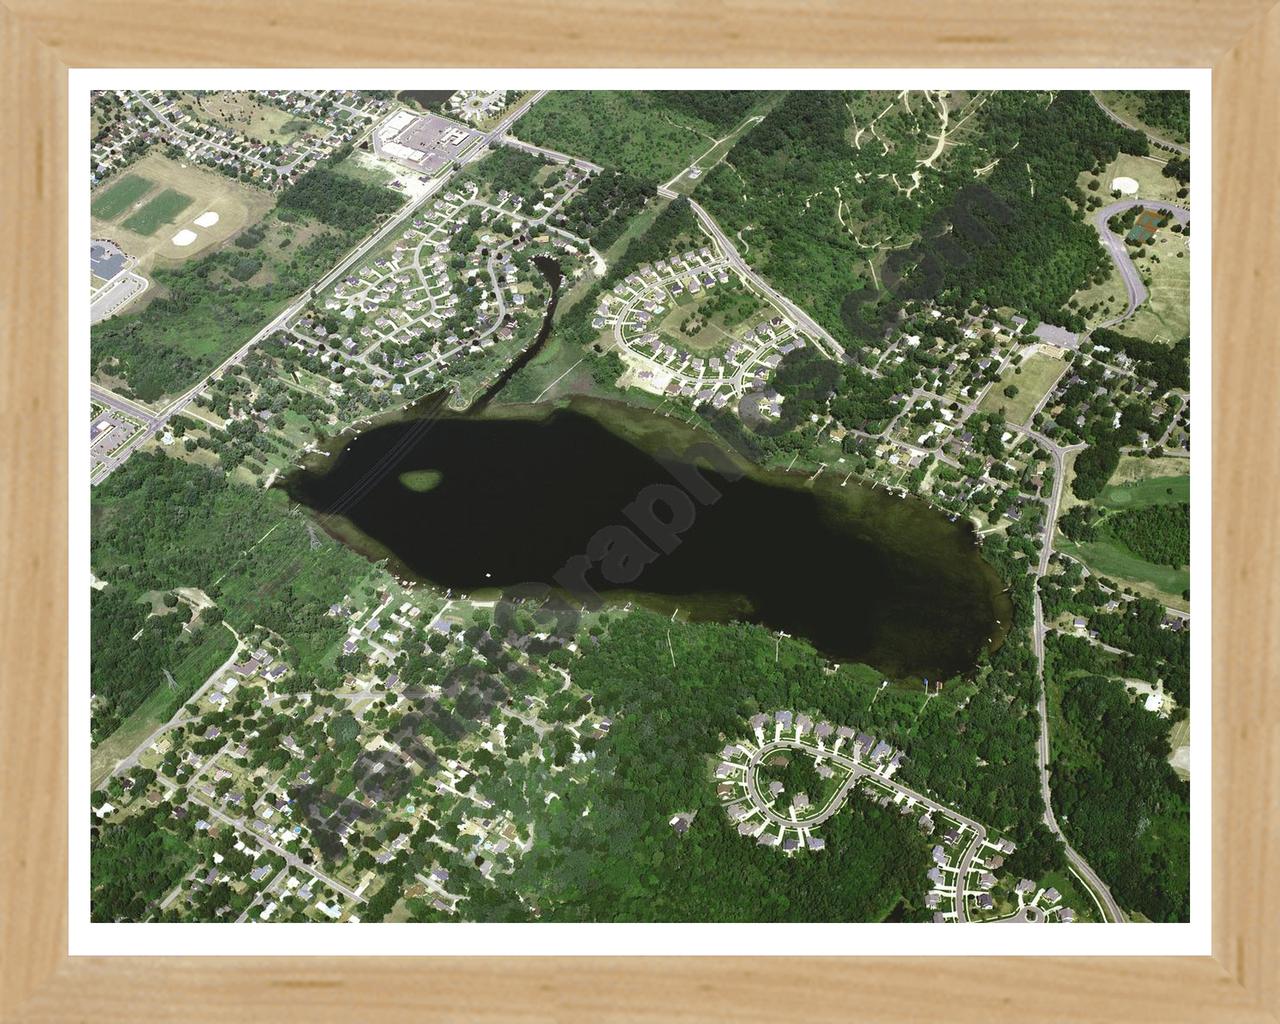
column 603, row 498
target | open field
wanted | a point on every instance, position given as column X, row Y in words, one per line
column 114, row 199
column 1137, row 482
column 159, row 210
column 1157, row 490
column 237, row 206
column 1112, row 559
column 1038, row 373
column 242, row 112
column 1145, row 170
column 367, row 168
column 1166, row 315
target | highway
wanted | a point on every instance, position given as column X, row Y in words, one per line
column 1119, row 254
column 156, row 419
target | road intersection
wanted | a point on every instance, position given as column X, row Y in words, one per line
column 156, row 419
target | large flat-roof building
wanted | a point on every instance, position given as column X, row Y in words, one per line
column 425, row 143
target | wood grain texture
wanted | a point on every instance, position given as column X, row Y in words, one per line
column 39, row 40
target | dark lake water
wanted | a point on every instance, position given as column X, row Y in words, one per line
column 516, row 497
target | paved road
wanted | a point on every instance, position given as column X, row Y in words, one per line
column 1151, row 137
column 797, row 316
column 157, row 420
column 857, row 770
column 1059, row 454
column 553, row 155
column 292, row 859
column 1119, row 253
column 179, row 716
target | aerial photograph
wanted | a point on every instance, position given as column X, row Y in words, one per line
column 600, row 506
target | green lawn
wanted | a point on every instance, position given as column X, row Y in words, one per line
column 160, row 210
column 1158, row 490
column 119, row 197
column 1038, row 373
column 1166, row 315
column 1111, row 558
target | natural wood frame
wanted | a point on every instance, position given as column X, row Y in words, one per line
column 40, row 39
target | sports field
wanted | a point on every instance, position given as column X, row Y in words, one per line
column 159, row 210
column 1147, row 171
column 115, row 199
column 143, row 235
column 1033, row 377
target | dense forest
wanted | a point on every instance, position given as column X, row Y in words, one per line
column 722, row 108
column 1157, row 533
column 339, row 200
column 603, row 209
column 606, row 852
column 1012, row 237
column 160, row 523
column 134, row 862
column 505, row 169
column 1167, row 110
column 1118, row 799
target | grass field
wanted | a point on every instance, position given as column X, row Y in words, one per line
column 236, row 204
column 1136, row 467
column 242, row 112
column 1110, row 558
column 115, row 199
column 1136, row 483
column 1158, row 490
column 159, row 210
column 1180, row 747
column 1039, row 372
column 1145, row 170
column 1166, row 315
column 1110, row 297
column 364, row 167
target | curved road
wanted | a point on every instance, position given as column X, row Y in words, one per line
column 1116, row 249
column 857, row 771
column 1163, row 143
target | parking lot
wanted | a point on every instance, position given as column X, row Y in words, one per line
column 425, row 143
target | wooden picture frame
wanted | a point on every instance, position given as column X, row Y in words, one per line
column 1239, row 39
